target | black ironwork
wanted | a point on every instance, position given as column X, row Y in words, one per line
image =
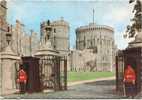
column 49, row 72
column 53, row 73
column 133, row 57
column 31, row 67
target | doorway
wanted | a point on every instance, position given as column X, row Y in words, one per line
column 31, row 67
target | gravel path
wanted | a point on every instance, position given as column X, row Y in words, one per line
column 91, row 90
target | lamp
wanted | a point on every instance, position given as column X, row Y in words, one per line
column 8, row 37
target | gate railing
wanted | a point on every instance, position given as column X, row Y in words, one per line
column 53, row 72
column 119, row 71
column 133, row 57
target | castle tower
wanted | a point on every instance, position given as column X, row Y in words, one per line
column 99, row 38
column 34, row 42
column 18, row 35
column 61, row 35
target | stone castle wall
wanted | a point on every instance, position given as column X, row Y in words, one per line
column 24, row 43
column 99, row 38
column 84, row 60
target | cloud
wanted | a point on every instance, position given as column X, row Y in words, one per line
column 78, row 13
column 119, row 17
column 119, row 14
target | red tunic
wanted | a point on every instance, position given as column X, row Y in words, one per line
column 129, row 74
column 22, row 76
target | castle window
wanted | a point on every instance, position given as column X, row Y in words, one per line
column 54, row 46
column 91, row 43
column 94, row 41
column 95, row 49
column 54, row 30
column 47, row 36
column 8, row 29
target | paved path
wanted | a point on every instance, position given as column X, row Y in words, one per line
column 100, row 89
column 103, row 88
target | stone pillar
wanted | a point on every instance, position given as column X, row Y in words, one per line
column 45, row 51
column 8, row 72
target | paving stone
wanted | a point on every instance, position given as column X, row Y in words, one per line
column 93, row 90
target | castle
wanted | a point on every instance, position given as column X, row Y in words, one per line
column 95, row 48
column 22, row 42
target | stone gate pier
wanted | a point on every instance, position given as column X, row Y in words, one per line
column 8, row 65
column 52, row 66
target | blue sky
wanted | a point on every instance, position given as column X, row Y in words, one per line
column 31, row 13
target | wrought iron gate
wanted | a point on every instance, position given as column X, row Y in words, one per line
column 53, row 72
column 31, row 67
column 133, row 57
column 119, row 71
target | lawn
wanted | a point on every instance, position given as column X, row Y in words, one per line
column 79, row 76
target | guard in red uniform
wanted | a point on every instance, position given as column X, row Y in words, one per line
column 129, row 80
column 22, row 80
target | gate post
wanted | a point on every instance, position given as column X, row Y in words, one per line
column 47, row 50
column 8, row 72
column 116, row 73
column 57, row 73
column 65, row 74
column 119, row 71
column 133, row 57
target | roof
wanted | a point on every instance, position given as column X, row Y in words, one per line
column 94, row 27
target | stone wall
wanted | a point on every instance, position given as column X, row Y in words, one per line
column 8, row 64
column 83, row 60
column 99, row 38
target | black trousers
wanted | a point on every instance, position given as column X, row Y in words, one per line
column 130, row 89
column 22, row 87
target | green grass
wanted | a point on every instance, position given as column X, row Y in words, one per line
column 79, row 76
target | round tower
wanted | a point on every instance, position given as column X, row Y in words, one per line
column 99, row 38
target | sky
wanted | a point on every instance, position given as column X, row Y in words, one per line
column 114, row 13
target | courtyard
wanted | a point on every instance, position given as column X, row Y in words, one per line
column 81, row 85
column 69, row 56
column 101, row 89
